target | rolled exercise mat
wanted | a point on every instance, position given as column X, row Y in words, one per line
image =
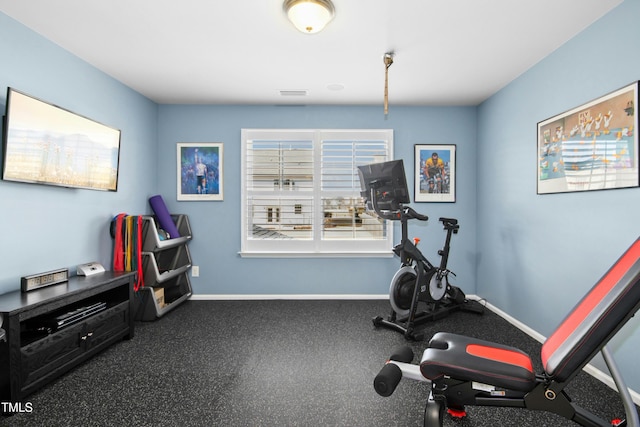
column 163, row 216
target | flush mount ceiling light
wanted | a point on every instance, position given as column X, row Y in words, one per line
column 309, row 16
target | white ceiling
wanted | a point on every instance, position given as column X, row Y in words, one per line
column 447, row 52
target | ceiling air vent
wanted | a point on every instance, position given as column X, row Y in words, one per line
column 293, row 93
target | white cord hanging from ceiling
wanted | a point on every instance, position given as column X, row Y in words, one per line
column 388, row 60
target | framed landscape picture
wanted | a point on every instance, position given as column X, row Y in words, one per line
column 200, row 171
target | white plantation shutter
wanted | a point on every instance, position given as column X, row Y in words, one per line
column 301, row 191
column 340, row 185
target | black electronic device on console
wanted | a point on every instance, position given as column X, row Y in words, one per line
column 62, row 320
column 74, row 316
column 40, row 327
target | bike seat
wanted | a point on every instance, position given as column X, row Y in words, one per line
column 450, row 223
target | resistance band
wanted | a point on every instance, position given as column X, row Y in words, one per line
column 118, row 253
column 138, row 261
column 127, row 246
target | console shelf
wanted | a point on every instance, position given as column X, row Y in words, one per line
column 38, row 349
column 166, row 265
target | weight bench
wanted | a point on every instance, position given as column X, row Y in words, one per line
column 469, row 371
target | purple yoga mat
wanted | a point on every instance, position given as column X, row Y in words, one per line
column 163, row 216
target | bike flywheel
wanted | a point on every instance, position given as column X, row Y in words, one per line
column 401, row 290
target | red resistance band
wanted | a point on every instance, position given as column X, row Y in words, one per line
column 138, row 254
column 121, row 236
column 118, row 244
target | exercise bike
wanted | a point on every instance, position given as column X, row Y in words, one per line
column 418, row 280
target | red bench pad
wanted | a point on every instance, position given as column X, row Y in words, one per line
column 472, row 359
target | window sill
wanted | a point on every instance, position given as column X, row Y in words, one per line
column 383, row 254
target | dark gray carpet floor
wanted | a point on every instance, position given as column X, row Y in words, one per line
column 274, row 363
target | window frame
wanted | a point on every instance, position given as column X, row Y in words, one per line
column 316, row 246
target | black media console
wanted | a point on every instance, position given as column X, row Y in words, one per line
column 48, row 331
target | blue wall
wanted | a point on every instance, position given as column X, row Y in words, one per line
column 46, row 228
column 540, row 253
column 216, row 225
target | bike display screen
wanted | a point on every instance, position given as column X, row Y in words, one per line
column 389, row 182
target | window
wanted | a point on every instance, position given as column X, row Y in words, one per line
column 301, row 192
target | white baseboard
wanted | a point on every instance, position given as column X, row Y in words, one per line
column 518, row 324
column 590, row 369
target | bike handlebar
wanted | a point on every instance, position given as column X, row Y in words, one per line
column 412, row 214
column 408, row 212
